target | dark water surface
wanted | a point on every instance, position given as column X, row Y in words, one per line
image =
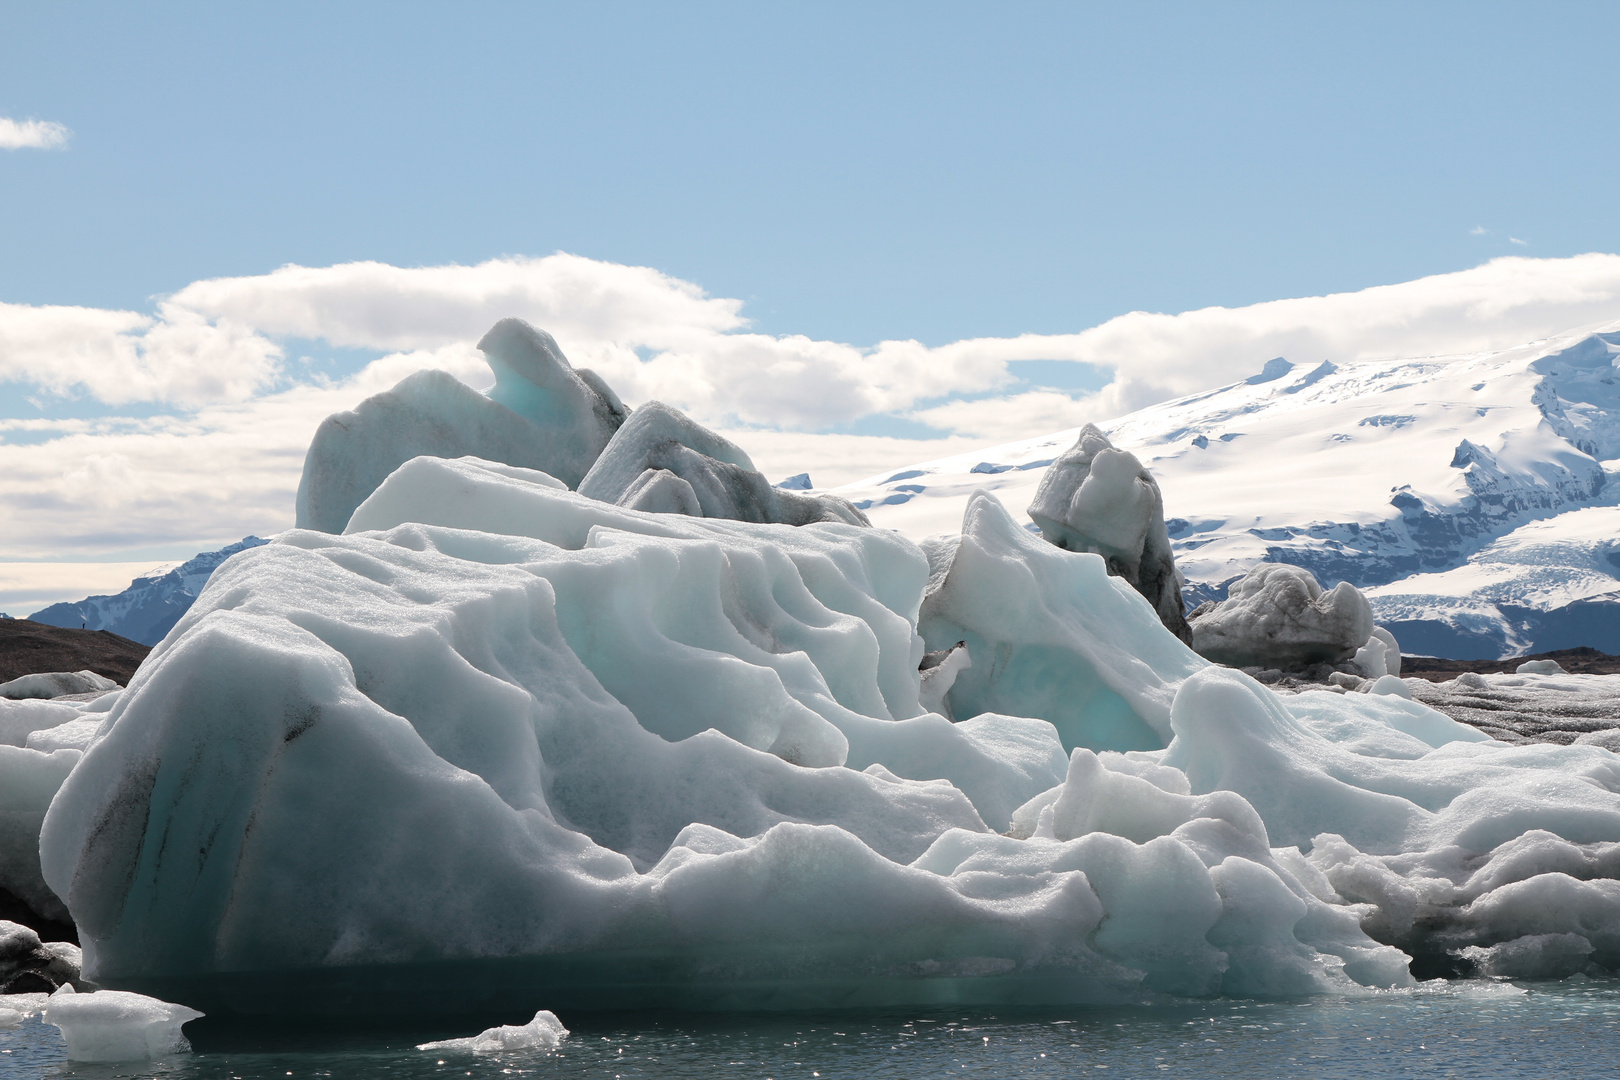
column 1469, row 1029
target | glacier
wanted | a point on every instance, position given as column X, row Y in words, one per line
column 1437, row 484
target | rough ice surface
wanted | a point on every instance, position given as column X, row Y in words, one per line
column 53, row 684
column 115, row 1025
column 1531, row 707
column 544, row 1032
column 662, row 461
column 1100, row 499
column 541, row 414
column 1278, row 616
column 564, row 750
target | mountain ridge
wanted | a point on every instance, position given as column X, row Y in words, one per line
column 1383, row 473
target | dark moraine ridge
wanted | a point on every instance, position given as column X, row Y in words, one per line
column 27, row 647
column 1581, row 661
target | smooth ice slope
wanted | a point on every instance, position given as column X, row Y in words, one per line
column 663, row 462
column 541, row 414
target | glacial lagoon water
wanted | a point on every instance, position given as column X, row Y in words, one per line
column 1463, row 1029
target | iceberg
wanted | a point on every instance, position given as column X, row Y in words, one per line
column 501, row 745
column 29, row 965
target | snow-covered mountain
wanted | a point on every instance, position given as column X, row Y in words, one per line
column 152, row 604
column 1473, row 495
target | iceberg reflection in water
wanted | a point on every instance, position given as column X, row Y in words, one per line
column 1473, row 1028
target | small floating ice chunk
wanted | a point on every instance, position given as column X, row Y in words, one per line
column 115, row 1025
column 15, row 1008
column 1540, row 667
column 544, row 1032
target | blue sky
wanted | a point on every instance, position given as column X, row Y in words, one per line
column 852, row 172
column 851, row 236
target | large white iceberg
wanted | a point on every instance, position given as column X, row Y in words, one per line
column 506, row 744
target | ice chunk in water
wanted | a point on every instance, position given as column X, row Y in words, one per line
column 544, row 1032
column 116, row 1025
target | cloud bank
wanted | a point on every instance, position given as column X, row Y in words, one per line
column 211, row 404
column 32, row 134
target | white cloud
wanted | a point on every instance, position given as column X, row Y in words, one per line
column 1516, row 240
column 32, row 134
column 1479, row 230
column 118, row 357
column 225, row 458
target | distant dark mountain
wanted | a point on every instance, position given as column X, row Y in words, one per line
column 150, row 607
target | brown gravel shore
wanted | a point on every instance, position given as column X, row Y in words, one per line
column 27, row 647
